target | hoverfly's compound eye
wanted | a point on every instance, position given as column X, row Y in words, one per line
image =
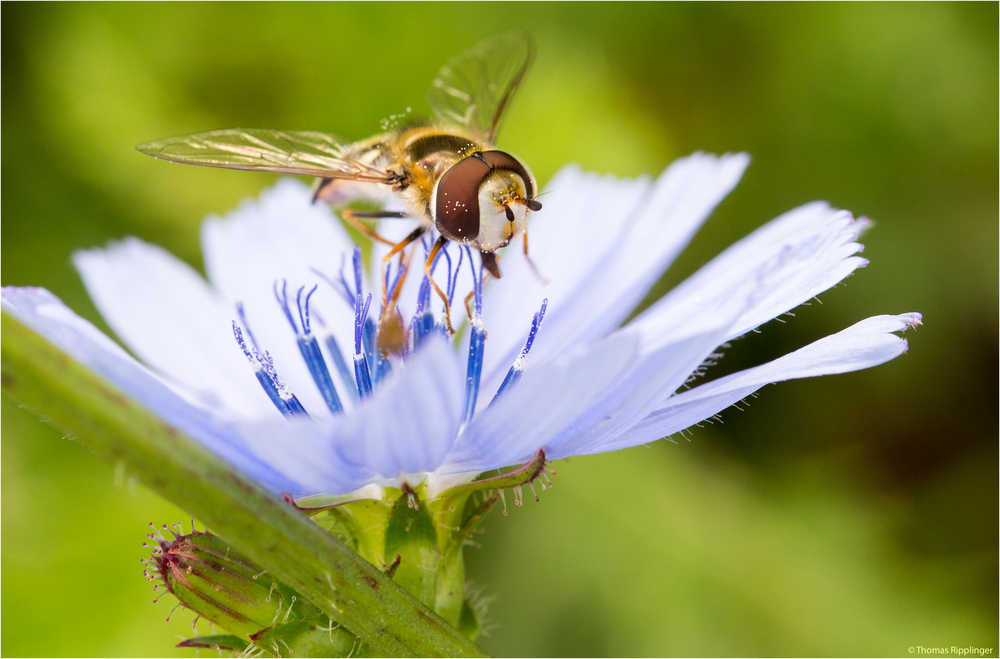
column 456, row 212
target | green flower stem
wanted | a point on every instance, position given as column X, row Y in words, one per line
column 259, row 524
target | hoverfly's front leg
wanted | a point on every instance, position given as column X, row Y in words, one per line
column 438, row 244
column 531, row 263
column 354, row 218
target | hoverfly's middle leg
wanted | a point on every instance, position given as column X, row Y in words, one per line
column 354, row 218
column 490, row 263
column 396, row 249
column 438, row 244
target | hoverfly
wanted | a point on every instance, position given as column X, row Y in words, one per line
column 445, row 170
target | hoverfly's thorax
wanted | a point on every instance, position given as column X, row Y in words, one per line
column 431, row 142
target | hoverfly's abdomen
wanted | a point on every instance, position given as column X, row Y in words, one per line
column 483, row 200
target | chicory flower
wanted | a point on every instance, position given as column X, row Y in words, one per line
column 272, row 363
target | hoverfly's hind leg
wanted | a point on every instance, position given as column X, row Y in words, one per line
column 438, row 244
column 354, row 218
column 531, row 263
column 391, row 328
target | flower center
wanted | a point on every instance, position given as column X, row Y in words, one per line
column 370, row 367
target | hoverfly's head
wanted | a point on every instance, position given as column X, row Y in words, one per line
column 484, row 200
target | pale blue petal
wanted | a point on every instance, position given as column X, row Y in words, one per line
column 795, row 257
column 658, row 373
column 601, row 244
column 282, row 236
column 166, row 313
column 542, row 405
column 311, row 453
column 868, row 343
column 46, row 314
column 410, row 423
column 656, row 376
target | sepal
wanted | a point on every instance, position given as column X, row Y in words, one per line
column 216, row 642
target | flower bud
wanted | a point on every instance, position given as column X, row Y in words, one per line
column 211, row 579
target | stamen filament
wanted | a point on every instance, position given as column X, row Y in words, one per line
column 361, row 371
column 309, row 346
column 514, row 374
column 423, row 320
column 477, row 340
column 340, row 363
column 313, row 356
column 286, row 402
column 356, row 260
column 453, row 282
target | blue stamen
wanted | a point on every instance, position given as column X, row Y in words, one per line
column 361, row 371
column 304, row 308
column 309, row 346
column 368, row 337
column 453, row 283
column 447, row 256
column 313, row 356
column 339, row 285
column 285, row 401
column 514, row 374
column 370, row 331
column 423, row 319
column 239, row 339
column 243, row 320
column 282, row 299
column 295, row 407
column 477, row 339
column 379, row 367
column 343, row 283
column 388, row 272
column 356, row 257
column 340, row 363
column 335, row 353
column 396, row 281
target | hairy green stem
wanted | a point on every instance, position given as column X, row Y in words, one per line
column 262, row 526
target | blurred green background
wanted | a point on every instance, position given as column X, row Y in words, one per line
column 852, row 515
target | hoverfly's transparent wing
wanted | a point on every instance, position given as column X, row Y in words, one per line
column 475, row 88
column 262, row 150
